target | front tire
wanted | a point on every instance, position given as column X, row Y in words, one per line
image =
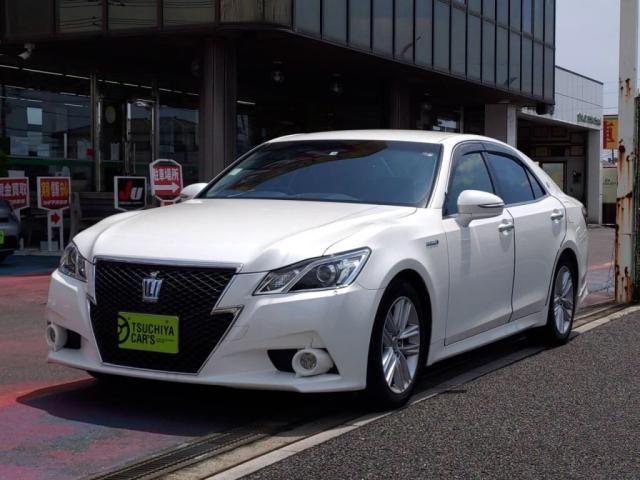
column 397, row 350
column 562, row 304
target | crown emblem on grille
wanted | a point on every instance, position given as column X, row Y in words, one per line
column 151, row 288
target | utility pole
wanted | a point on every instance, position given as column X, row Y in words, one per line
column 627, row 157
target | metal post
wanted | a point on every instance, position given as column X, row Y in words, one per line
column 95, row 131
column 625, row 228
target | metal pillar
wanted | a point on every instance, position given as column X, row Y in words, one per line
column 94, row 100
column 627, row 157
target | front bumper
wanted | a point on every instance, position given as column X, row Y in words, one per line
column 339, row 321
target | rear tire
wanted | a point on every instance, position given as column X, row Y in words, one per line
column 562, row 304
column 398, row 346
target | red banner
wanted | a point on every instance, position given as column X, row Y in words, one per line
column 15, row 191
column 54, row 193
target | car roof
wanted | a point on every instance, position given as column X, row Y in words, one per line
column 422, row 136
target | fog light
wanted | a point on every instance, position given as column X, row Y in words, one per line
column 308, row 361
column 56, row 337
column 311, row 361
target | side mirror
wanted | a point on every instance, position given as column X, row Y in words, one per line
column 476, row 205
column 191, row 191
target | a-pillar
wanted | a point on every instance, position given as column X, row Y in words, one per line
column 501, row 122
column 217, row 106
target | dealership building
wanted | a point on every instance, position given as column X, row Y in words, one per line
column 99, row 88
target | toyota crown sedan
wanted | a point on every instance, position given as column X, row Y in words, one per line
column 326, row 262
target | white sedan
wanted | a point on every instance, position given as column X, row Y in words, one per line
column 326, row 262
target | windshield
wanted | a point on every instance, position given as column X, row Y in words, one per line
column 360, row 171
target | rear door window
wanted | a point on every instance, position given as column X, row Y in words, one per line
column 512, row 179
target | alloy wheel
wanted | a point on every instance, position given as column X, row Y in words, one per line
column 563, row 300
column 400, row 344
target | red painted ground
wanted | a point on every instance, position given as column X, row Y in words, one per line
column 57, row 423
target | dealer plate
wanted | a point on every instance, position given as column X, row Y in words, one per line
column 1, row 237
column 146, row 332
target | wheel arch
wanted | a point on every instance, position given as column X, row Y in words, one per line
column 415, row 279
column 569, row 252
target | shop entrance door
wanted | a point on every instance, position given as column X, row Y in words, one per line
column 127, row 137
column 140, row 135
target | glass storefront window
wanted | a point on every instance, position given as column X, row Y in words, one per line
column 179, row 137
column 44, row 125
column 360, row 23
column 28, row 17
column 188, row 12
column 334, row 20
column 424, row 21
column 74, row 16
column 131, row 14
column 383, row 26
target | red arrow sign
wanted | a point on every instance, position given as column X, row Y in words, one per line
column 173, row 188
column 55, row 218
column 166, row 179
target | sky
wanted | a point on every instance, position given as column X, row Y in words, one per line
column 587, row 37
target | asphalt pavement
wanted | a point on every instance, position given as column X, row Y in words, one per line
column 58, row 423
column 572, row 412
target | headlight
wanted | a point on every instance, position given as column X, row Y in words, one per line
column 73, row 264
column 322, row 273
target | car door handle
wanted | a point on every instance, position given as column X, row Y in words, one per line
column 557, row 216
column 506, row 227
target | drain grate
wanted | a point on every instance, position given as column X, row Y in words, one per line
column 208, row 447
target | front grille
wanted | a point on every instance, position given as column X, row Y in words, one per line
column 190, row 293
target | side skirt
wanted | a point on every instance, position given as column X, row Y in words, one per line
column 439, row 352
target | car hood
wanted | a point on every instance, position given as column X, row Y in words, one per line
column 254, row 235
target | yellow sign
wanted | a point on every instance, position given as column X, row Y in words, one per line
column 150, row 333
column 610, row 132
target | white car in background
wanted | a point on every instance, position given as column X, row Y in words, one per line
column 326, row 262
